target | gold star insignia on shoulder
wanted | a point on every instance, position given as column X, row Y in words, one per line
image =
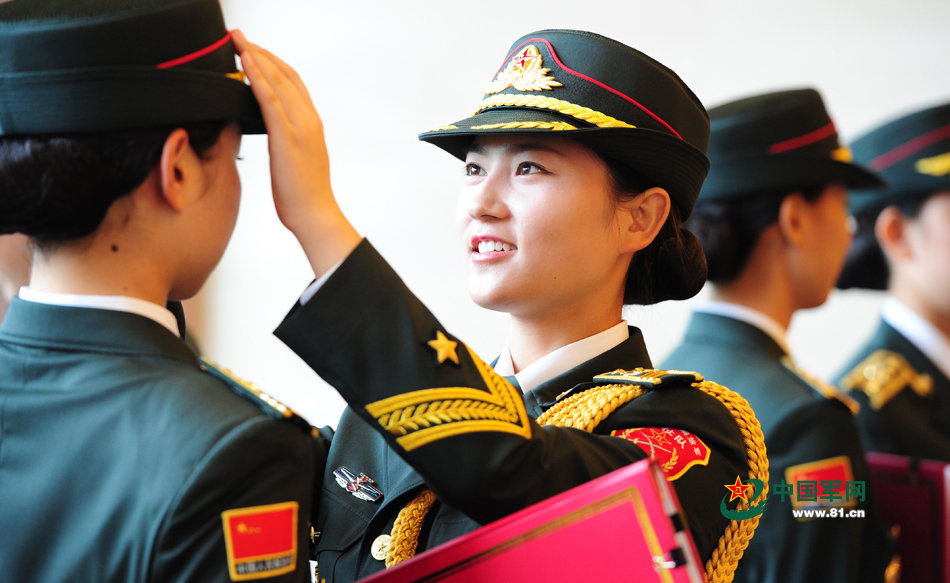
column 444, row 348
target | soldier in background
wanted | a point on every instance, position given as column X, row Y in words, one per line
column 772, row 219
column 902, row 374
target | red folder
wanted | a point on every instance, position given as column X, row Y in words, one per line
column 623, row 526
column 914, row 494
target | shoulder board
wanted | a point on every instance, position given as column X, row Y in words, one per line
column 251, row 392
column 649, row 377
column 824, row 389
column 884, row 374
column 646, row 378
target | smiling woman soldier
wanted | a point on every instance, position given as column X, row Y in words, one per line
column 582, row 159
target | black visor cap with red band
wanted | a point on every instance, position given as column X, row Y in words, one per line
column 775, row 141
column 911, row 153
column 618, row 101
column 73, row 66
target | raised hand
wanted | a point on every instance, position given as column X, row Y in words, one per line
column 300, row 166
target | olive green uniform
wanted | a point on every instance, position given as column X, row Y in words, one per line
column 904, row 396
column 118, row 454
column 802, row 424
column 425, row 412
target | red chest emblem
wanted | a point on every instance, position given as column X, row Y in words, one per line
column 674, row 449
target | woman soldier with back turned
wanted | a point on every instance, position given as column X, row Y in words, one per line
column 123, row 458
column 772, row 218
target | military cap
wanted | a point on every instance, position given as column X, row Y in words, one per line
column 912, row 153
column 69, row 66
column 783, row 139
column 621, row 103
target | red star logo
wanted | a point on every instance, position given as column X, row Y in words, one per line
column 525, row 56
column 659, row 436
column 738, row 490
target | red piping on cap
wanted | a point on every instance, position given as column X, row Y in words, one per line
column 802, row 141
column 586, row 78
column 888, row 159
column 195, row 55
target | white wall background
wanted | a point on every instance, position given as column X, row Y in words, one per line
column 381, row 72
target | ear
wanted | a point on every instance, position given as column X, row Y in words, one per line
column 175, row 168
column 642, row 217
column 792, row 220
column 890, row 229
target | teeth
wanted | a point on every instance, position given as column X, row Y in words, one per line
column 493, row 246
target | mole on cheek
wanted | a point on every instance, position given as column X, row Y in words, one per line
column 115, row 248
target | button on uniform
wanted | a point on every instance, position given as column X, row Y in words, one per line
column 380, row 547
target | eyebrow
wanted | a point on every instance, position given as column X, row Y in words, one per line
column 518, row 148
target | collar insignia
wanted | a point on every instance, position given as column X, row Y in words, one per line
column 524, row 72
column 360, row 486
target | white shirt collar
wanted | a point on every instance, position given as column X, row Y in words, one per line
column 921, row 333
column 563, row 359
column 752, row 317
column 117, row 303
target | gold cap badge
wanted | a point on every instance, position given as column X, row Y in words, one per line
column 935, row 166
column 524, row 72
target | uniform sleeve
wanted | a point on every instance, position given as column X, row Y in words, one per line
column 821, row 549
column 245, row 510
column 447, row 413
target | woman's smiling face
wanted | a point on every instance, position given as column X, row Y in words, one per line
column 539, row 222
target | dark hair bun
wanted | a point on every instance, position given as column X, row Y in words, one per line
column 52, row 190
column 681, row 269
column 865, row 266
column 724, row 247
column 58, row 188
column 673, row 267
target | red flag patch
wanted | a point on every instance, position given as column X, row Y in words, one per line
column 261, row 540
column 674, row 449
column 822, row 483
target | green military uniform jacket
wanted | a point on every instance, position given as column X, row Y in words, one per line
column 426, row 412
column 905, row 398
column 118, row 455
column 801, row 425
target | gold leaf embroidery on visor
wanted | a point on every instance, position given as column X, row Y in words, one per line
column 559, row 105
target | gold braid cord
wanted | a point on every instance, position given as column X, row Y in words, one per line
column 529, row 125
column 406, row 529
column 725, row 558
column 585, row 411
column 559, row 105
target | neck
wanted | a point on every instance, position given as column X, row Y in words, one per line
column 767, row 295
column 98, row 265
column 918, row 302
column 531, row 338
